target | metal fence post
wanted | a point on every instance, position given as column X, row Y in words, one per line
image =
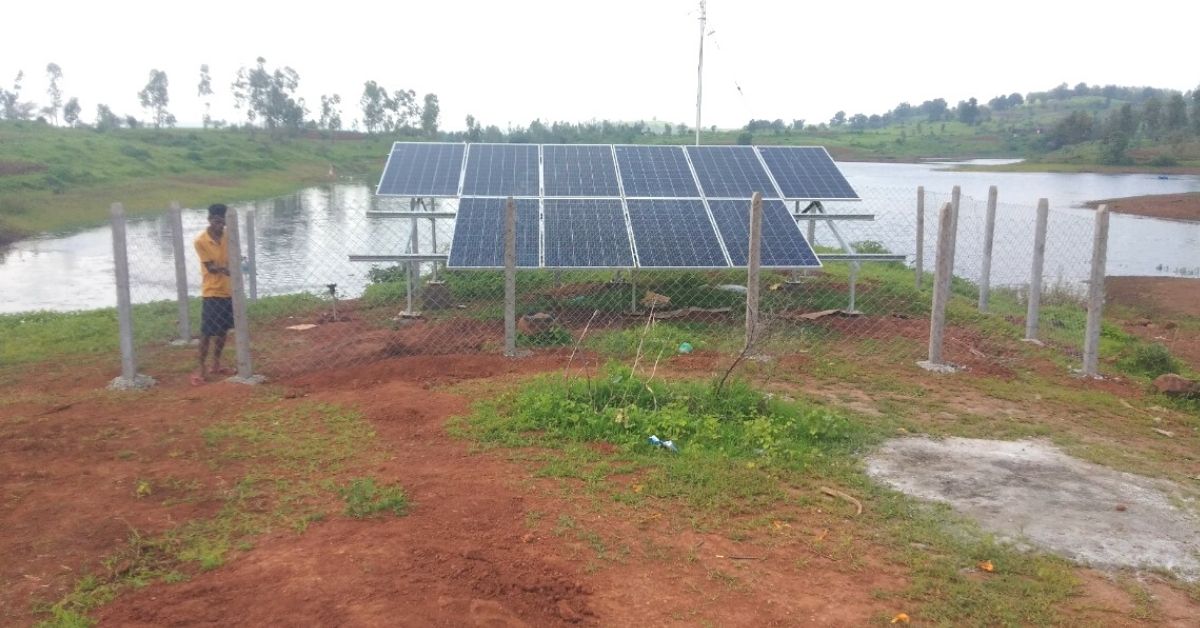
column 251, row 256
column 989, row 232
column 1035, row 276
column 1091, row 342
column 129, row 378
column 919, row 264
column 241, row 322
column 181, row 286
column 942, row 273
column 753, row 257
column 510, row 278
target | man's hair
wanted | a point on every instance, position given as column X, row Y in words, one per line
column 217, row 209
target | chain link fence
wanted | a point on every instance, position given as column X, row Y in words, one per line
column 310, row 306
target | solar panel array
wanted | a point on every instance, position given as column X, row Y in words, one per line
column 622, row 206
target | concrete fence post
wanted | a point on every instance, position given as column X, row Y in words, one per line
column 251, row 256
column 753, row 257
column 955, row 202
column 1091, row 342
column 510, row 278
column 181, row 287
column 989, row 233
column 941, row 287
column 129, row 378
column 919, row 264
column 1035, row 274
column 241, row 322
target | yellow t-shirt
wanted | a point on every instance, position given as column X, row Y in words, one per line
column 217, row 252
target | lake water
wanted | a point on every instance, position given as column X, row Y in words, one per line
column 304, row 239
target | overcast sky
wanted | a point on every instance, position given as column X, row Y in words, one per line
column 511, row 62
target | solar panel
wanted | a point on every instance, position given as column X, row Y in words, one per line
column 674, row 233
column 478, row 240
column 422, row 169
column 586, row 233
column 579, row 170
column 502, row 170
column 730, row 171
column 656, row 171
column 782, row 243
column 806, row 173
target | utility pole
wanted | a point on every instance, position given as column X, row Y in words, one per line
column 700, row 67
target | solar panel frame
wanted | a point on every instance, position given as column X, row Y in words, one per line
column 781, row 234
column 555, row 155
column 645, row 213
column 495, row 228
column 473, row 188
column 434, row 191
column 786, row 181
column 611, row 259
column 747, row 163
column 638, row 187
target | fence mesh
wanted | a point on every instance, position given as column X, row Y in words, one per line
column 316, row 309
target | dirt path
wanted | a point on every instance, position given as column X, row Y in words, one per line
column 1170, row 206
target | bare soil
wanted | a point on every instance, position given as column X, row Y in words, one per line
column 1170, row 206
column 1158, row 305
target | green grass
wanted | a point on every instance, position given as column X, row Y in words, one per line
column 286, row 460
column 146, row 169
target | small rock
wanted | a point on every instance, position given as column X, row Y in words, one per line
column 1173, row 385
column 1121, row 508
column 655, row 300
column 528, row 538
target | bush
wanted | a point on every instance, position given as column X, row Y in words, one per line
column 1164, row 161
column 1151, row 360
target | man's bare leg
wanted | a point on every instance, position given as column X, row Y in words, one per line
column 220, row 346
column 202, row 376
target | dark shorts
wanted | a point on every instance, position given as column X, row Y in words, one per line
column 216, row 316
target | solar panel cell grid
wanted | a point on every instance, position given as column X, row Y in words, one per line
column 730, row 171
column 422, row 169
column 782, row 243
column 656, row 171
column 806, row 173
column 579, row 170
column 674, row 233
column 586, row 233
column 502, row 170
column 478, row 240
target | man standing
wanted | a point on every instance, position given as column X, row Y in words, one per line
column 216, row 312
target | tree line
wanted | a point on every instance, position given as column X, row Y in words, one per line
column 266, row 95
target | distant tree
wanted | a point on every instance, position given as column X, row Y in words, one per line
column 858, row 122
column 132, row 122
column 1196, row 111
column 269, row 96
column 838, row 119
column 1015, row 99
column 667, row 130
column 13, row 107
column 331, row 116
column 1081, row 89
column 106, row 119
column 745, row 139
column 968, row 112
column 53, row 76
column 1073, row 129
column 474, row 133
column 204, row 90
column 1176, row 113
column 71, row 112
column 682, row 129
column 429, row 115
column 1115, row 142
column 373, row 102
column 155, row 97
column 935, row 109
column 798, row 125
column 1152, row 116
column 1126, row 120
column 903, row 110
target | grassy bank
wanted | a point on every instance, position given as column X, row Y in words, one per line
column 55, row 179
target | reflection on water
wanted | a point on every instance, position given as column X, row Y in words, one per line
column 304, row 239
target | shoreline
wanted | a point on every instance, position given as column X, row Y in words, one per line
column 1184, row 207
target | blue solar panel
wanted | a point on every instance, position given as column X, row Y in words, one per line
column 502, row 170
column 586, row 233
column 479, row 234
column 674, row 233
column 806, row 173
column 656, row 171
column 422, row 169
column 730, row 171
column 782, row 244
column 579, row 170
